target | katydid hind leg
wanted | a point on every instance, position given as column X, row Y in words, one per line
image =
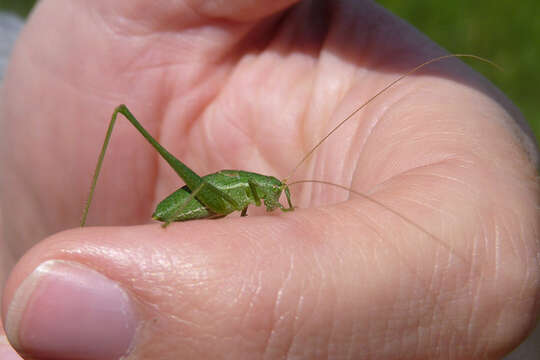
column 210, row 196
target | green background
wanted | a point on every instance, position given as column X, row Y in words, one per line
column 506, row 32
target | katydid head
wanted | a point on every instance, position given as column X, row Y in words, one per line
column 271, row 193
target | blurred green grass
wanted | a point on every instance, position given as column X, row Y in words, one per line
column 21, row 7
column 503, row 31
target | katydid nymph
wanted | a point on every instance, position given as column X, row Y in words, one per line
column 219, row 194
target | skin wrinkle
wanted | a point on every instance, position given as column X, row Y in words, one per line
column 410, row 172
column 202, row 110
column 439, row 306
column 525, row 279
column 147, row 48
column 528, row 249
column 136, row 26
column 201, row 83
column 278, row 301
column 427, row 205
column 334, row 295
column 309, row 104
column 413, row 93
column 315, row 88
column 338, row 99
column 288, row 346
column 353, row 157
column 382, row 116
column 369, row 223
column 351, row 339
column 195, row 10
column 338, row 325
column 303, row 112
column 383, row 241
column 298, row 326
column 339, row 329
column 257, row 149
column 498, row 322
column 514, row 240
column 411, row 306
column 414, row 272
column 257, row 294
column 497, row 255
column 298, row 339
column 451, row 251
column 321, row 284
column 530, row 272
column 487, row 339
column 471, row 325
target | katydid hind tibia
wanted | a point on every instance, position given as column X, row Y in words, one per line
column 219, row 194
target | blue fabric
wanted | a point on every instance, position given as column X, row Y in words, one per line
column 10, row 26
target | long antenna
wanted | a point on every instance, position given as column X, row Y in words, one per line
column 397, row 213
column 383, row 90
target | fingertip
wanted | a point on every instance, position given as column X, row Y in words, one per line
column 59, row 311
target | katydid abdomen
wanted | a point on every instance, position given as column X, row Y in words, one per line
column 181, row 205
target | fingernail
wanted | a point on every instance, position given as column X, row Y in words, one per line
column 65, row 310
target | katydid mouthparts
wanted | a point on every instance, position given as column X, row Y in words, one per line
column 218, row 194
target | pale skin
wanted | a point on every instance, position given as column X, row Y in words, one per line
column 232, row 86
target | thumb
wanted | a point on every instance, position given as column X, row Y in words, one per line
column 319, row 283
column 194, row 290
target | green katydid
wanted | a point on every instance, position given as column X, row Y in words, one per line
column 219, row 194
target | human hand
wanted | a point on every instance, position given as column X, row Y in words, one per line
column 252, row 86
